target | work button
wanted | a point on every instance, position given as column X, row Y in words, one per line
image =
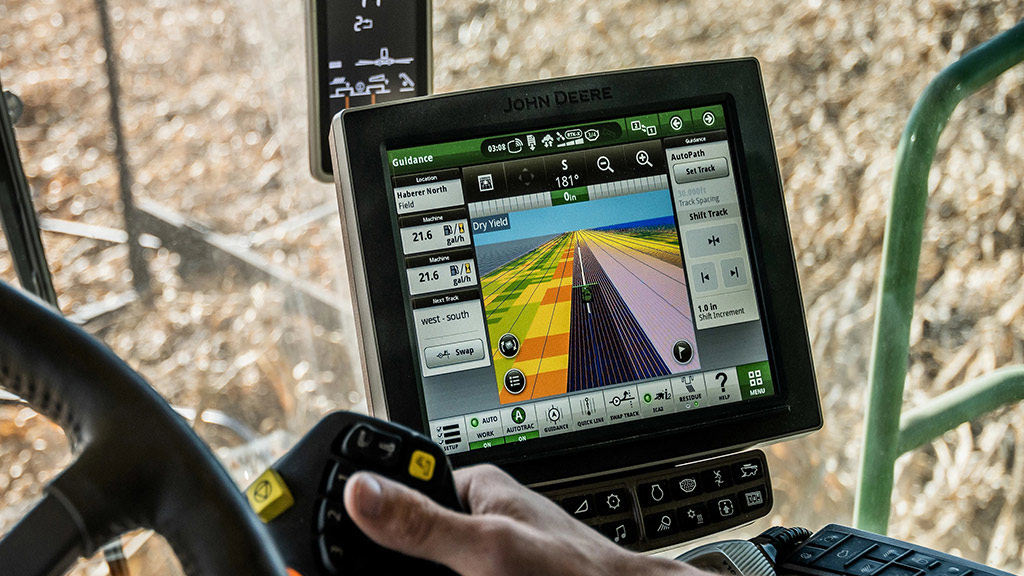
column 623, row 532
column 580, row 506
column 654, row 493
column 454, row 353
column 661, row 524
column 367, row 444
column 269, row 496
column 613, row 501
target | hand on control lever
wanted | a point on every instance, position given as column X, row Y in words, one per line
column 511, row 530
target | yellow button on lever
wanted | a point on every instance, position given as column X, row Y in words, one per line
column 421, row 465
column 269, row 495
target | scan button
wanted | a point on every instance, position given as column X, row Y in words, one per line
column 269, row 496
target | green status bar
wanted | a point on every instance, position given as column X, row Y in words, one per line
column 563, row 139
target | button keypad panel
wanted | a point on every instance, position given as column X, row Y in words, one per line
column 842, row 551
column 664, row 506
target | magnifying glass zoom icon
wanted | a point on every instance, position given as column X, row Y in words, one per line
column 605, row 165
column 643, row 158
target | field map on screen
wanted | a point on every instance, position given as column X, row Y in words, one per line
column 594, row 292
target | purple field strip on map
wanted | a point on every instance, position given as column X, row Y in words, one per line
column 655, row 293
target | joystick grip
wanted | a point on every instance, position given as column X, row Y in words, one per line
column 300, row 498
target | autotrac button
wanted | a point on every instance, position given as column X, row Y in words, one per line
column 685, row 486
column 747, row 470
column 753, row 498
column 622, row 532
column 580, row 506
column 661, row 524
column 693, row 516
column 722, row 508
column 368, row 444
column 654, row 493
column 716, row 478
column 613, row 501
column 519, row 423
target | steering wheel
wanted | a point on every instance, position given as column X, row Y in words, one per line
column 138, row 464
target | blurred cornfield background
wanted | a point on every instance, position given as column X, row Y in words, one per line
column 214, row 102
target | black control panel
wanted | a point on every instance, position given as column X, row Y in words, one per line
column 839, row 550
column 662, row 507
column 300, row 497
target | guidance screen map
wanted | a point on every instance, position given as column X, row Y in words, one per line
column 578, row 277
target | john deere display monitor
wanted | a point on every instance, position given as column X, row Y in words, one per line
column 582, row 279
column 362, row 52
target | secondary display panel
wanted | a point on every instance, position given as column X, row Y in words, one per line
column 585, row 273
column 362, row 52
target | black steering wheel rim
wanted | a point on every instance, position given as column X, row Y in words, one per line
column 138, row 464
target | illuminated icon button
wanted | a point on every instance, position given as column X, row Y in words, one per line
column 269, row 496
column 653, row 493
column 613, row 501
column 421, row 465
column 682, row 351
column 660, row 524
column 693, row 516
column 579, row 506
column 752, row 499
column 508, row 345
column 685, row 486
column 724, row 508
column 515, row 381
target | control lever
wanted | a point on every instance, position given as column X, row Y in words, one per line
column 299, row 498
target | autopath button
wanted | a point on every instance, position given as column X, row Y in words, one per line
column 700, row 170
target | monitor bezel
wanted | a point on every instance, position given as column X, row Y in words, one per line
column 360, row 139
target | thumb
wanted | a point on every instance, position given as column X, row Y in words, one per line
column 402, row 519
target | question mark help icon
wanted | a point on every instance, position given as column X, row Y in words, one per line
column 722, row 379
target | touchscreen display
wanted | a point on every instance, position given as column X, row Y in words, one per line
column 578, row 277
